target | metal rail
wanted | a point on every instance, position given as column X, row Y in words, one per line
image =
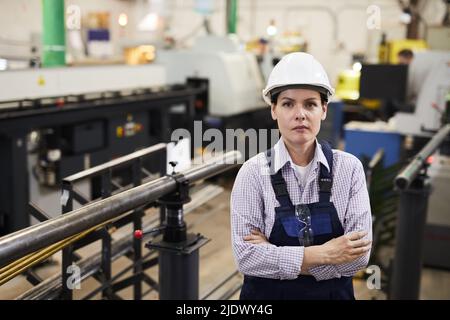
column 404, row 179
column 114, row 164
column 23, row 242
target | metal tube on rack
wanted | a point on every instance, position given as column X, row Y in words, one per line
column 23, row 242
column 404, row 179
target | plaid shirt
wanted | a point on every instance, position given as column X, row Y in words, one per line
column 253, row 205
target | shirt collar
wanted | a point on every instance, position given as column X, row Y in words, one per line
column 282, row 156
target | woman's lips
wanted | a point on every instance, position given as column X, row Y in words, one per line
column 300, row 128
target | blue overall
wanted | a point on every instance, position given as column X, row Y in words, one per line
column 325, row 225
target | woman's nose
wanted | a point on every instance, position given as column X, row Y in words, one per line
column 300, row 113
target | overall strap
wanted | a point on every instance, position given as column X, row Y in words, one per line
column 325, row 177
column 278, row 183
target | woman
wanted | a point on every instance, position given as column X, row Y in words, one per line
column 300, row 213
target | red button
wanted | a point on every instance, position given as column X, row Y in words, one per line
column 138, row 234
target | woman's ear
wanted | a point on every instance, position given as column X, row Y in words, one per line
column 272, row 110
column 324, row 109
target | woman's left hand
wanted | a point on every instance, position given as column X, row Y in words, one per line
column 256, row 237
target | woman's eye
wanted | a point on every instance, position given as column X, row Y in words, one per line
column 311, row 104
column 287, row 104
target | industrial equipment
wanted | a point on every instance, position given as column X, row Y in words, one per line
column 421, row 98
column 48, row 84
column 234, row 77
column 80, row 117
column 393, row 47
column 383, row 81
column 428, row 86
column 347, row 87
column 414, row 194
column 235, row 83
column 24, row 248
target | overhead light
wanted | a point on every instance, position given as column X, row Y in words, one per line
column 357, row 66
column 123, row 20
column 149, row 23
column 3, row 64
column 271, row 29
column 405, row 16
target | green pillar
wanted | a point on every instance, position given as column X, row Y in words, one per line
column 53, row 33
column 231, row 16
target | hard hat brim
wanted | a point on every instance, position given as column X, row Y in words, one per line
column 268, row 92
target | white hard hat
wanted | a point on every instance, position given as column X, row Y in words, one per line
column 297, row 68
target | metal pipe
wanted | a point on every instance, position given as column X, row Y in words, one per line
column 404, row 179
column 23, row 242
column 51, row 288
column 115, row 163
column 377, row 157
column 17, row 267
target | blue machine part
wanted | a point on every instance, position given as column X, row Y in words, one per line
column 366, row 143
column 98, row 35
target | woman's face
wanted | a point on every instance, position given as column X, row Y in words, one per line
column 299, row 113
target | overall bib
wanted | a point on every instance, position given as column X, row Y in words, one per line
column 325, row 225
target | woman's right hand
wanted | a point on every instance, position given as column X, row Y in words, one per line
column 346, row 248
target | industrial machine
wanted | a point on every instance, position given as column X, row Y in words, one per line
column 428, row 86
column 55, row 122
column 234, row 77
column 97, row 219
column 420, row 91
column 388, row 50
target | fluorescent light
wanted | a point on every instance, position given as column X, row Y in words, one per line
column 3, row 64
column 357, row 66
column 405, row 18
column 123, row 20
column 271, row 30
column 149, row 23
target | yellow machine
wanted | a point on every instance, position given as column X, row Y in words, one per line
column 347, row 87
column 393, row 47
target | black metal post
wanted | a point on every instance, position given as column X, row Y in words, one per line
column 178, row 251
column 405, row 283
column 178, row 276
column 14, row 182
column 162, row 172
column 106, row 239
column 67, row 252
column 137, row 224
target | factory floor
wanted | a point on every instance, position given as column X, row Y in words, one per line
column 216, row 259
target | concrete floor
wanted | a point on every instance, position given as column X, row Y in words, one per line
column 216, row 260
